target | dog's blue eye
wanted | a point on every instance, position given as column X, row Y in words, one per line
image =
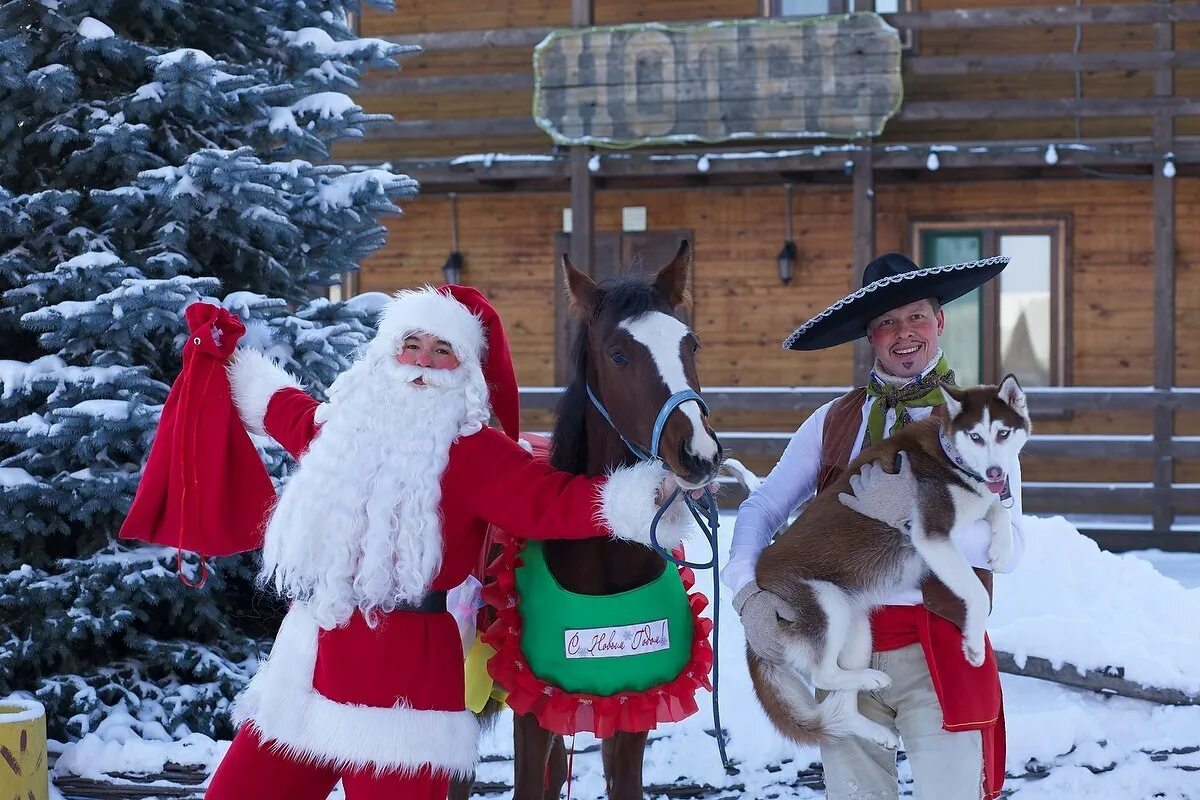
column 975, row 437
column 618, row 358
column 1002, row 435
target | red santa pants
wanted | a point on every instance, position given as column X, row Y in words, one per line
column 252, row 769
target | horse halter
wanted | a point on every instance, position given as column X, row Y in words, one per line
column 673, row 402
column 709, row 522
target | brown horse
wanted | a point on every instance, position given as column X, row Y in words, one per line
column 634, row 353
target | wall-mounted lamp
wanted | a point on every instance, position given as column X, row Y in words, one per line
column 452, row 270
column 787, row 256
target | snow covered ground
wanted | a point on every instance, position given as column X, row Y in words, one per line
column 1068, row 601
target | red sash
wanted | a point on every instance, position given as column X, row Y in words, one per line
column 970, row 697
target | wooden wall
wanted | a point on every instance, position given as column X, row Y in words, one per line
column 743, row 311
column 412, row 16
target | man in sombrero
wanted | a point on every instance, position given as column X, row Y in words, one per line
column 949, row 716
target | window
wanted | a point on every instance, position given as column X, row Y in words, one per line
column 1016, row 323
column 811, row 8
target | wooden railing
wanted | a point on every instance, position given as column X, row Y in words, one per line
column 1164, row 56
column 1108, row 504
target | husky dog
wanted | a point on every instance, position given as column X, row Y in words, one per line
column 834, row 565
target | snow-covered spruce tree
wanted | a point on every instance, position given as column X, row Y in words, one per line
column 154, row 153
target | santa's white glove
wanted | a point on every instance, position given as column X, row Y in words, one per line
column 883, row 496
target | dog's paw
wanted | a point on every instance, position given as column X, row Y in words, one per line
column 874, row 732
column 974, row 652
column 850, row 680
column 1000, row 550
column 870, row 680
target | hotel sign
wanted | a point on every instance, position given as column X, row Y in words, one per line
column 627, row 85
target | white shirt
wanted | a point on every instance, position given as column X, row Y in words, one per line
column 794, row 480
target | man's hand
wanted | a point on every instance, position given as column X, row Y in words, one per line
column 877, row 494
column 762, row 613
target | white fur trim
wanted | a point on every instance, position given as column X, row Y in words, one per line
column 283, row 707
column 430, row 311
column 627, row 506
column 321, row 414
column 255, row 379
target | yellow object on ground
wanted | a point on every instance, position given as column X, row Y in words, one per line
column 480, row 686
column 23, row 758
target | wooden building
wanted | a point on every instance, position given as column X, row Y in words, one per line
column 1066, row 136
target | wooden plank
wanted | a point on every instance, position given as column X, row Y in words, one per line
column 583, row 215
column 444, row 128
column 892, row 156
column 863, row 245
column 1049, row 401
column 1018, row 16
column 1101, row 447
column 1110, row 680
column 1095, row 498
column 470, row 40
column 930, row 110
column 438, row 84
column 1164, row 287
column 583, row 220
column 1048, row 62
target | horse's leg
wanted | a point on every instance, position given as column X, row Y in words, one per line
column 532, row 746
column 623, row 755
column 460, row 788
column 557, row 769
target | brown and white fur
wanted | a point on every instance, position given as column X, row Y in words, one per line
column 834, row 565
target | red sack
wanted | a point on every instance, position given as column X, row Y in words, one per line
column 204, row 487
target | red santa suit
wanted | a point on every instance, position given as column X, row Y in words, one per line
column 373, row 693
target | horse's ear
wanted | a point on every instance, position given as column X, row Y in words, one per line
column 582, row 291
column 675, row 279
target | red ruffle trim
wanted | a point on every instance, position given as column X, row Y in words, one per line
column 566, row 712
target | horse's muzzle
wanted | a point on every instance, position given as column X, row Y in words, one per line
column 700, row 471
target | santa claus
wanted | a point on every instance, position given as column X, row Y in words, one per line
column 399, row 476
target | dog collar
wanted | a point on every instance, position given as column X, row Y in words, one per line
column 957, row 460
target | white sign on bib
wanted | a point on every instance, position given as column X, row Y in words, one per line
column 624, row 640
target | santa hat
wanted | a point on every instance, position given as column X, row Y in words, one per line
column 463, row 318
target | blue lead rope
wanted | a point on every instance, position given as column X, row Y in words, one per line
column 706, row 514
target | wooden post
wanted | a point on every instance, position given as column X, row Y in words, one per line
column 864, row 244
column 583, row 219
column 1164, row 289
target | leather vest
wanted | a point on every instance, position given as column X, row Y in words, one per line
column 838, row 438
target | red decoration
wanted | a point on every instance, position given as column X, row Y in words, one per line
column 568, row 713
column 204, row 487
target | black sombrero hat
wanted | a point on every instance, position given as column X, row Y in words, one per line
column 890, row 281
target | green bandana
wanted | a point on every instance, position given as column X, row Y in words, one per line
column 927, row 391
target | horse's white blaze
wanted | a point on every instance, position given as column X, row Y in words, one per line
column 662, row 335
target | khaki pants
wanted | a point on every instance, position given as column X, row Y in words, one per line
column 945, row 766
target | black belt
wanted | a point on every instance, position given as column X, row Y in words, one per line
column 431, row 603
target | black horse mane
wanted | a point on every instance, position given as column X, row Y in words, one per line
column 622, row 298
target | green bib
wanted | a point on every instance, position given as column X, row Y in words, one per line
column 602, row 645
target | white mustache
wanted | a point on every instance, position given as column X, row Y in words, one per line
column 430, row 377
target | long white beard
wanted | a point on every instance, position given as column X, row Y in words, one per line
column 357, row 525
